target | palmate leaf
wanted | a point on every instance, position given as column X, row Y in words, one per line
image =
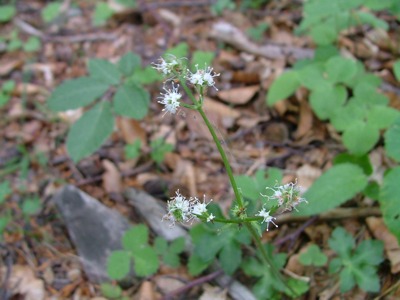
column 132, row 101
column 392, row 141
column 118, row 264
column 76, row 93
column 284, row 86
column 90, row 131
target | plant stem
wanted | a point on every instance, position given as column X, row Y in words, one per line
column 239, row 201
column 228, row 168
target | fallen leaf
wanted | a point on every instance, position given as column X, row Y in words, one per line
column 305, row 120
column 111, row 177
column 146, row 291
column 390, row 243
column 7, row 65
column 23, row 282
column 240, row 95
column 213, row 293
column 131, row 130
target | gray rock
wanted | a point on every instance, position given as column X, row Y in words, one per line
column 95, row 229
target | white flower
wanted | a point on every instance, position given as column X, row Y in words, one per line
column 167, row 66
column 200, row 208
column 170, row 99
column 267, row 218
column 179, row 209
column 202, row 77
column 288, row 196
column 210, row 218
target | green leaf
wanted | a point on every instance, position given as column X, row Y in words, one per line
column 118, row 265
column 5, row 190
column 362, row 161
column 347, row 280
column 32, row 44
column 178, row 245
column 146, row 76
column 8, row 86
column 342, row 242
column 313, row 256
column 336, row 186
column 347, row 115
column 372, row 190
column 196, row 265
column 382, row 117
column 392, row 141
column 132, row 101
column 256, row 33
column 360, row 137
column 145, row 261
column 104, row 70
column 31, row 206
column 128, row 63
column 389, row 201
column 76, row 93
column 180, row 50
column 51, row 11
column 7, row 12
column 202, row 59
column 323, row 34
column 90, row 131
column 378, row 4
column 4, row 98
column 230, row 257
column 132, row 151
column 396, row 69
column 102, row 13
column 158, row 150
column 325, row 101
column 252, row 187
column 136, row 237
column 284, row 86
column 340, row 69
column 369, row 252
column 323, row 53
column 110, row 291
column 370, row 19
column 171, row 259
column 312, row 77
column 127, row 3
column 160, row 245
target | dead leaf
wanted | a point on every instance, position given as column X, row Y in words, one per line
column 167, row 284
column 146, row 292
column 305, row 120
column 391, row 245
column 111, row 177
column 29, row 89
column 7, row 65
column 131, row 130
column 307, row 174
column 240, row 95
column 23, row 282
column 213, row 293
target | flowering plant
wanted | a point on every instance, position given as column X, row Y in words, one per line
column 186, row 210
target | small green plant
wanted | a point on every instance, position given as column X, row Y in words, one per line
column 7, row 12
column 158, row 150
column 313, row 257
column 220, row 5
column 14, row 42
column 103, row 11
column 112, row 291
column 6, row 91
column 51, row 11
column 129, row 99
column 355, row 265
column 138, row 252
column 257, row 32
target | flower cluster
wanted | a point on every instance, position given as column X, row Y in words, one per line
column 168, row 66
column 202, row 77
column 288, row 196
column 181, row 209
column 170, row 99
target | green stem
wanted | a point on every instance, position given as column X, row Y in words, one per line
column 228, row 168
column 239, row 200
column 237, row 221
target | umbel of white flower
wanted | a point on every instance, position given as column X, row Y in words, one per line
column 170, row 99
column 202, row 77
column 180, row 209
column 288, row 196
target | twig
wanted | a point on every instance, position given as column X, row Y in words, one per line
column 192, row 284
column 293, row 236
column 334, row 214
column 388, row 291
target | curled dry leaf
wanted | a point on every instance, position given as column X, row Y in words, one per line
column 214, row 293
column 240, row 95
column 111, row 177
column 391, row 245
column 131, row 130
column 23, row 282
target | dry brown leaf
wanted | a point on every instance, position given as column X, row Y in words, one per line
column 167, row 284
column 185, row 174
column 391, row 245
column 131, row 130
column 146, row 292
column 306, row 120
column 214, row 293
column 240, row 95
column 29, row 89
column 7, row 65
column 111, row 177
column 307, row 174
column 24, row 282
